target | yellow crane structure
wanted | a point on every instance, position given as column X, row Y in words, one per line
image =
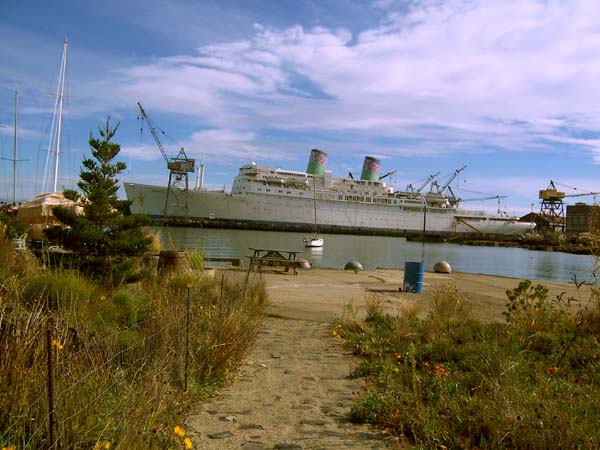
column 552, row 204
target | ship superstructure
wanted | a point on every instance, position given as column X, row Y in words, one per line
column 262, row 197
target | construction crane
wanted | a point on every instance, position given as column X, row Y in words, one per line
column 410, row 187
column 552, row 205
column 441, row 189
column 177, row 198
column 387, row 174
column 436, row 189
column 491, row 197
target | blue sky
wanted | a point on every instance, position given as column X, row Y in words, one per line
column 508, row 88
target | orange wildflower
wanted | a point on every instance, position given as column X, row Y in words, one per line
column 440, row 370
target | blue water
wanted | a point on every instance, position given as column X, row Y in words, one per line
column 388, row 252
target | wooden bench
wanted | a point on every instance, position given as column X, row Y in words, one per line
column 235, row 262
column 259, row 263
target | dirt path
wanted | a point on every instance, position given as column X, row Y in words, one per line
column 292, row 392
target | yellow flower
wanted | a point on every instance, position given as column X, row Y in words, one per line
column 103, row 297
column 107, row 445
column 57, row 344
column 187, row 443
column 10, row 447
column 179, row 431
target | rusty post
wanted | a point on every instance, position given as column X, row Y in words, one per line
column 222, row 288
column 187, row 340
column 51, row 417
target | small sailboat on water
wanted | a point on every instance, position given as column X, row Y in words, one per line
column 314, row 241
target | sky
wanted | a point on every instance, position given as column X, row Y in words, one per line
column 508, row 88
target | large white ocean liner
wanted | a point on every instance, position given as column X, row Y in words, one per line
column 266, row 198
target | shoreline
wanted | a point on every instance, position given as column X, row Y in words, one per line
column 472, row 239
column 325, row 294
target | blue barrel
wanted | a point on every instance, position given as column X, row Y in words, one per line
column 413, row 277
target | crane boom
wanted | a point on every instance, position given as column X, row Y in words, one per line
column 177, row 198
column 491, row 197
column 582, row 195
column 452, row 177
column 425, row 183
column 387, row 174
column 181, row 163
column 153, row 132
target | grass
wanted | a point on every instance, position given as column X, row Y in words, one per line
column 451, row 381
column 195, row 258
column 120, row 354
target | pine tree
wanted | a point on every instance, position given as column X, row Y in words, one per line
column 106, row 236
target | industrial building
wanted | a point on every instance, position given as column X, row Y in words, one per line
column 582, row 218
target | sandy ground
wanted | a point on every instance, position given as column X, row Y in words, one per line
column 321, row 294
column 294, row 391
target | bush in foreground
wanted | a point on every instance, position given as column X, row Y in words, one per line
column 120, row 355
column 450, row 381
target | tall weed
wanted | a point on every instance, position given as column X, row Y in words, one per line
column 120, row 354
column 449, row 381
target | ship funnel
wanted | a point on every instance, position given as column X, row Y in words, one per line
column 370, row 170
column 317, row 162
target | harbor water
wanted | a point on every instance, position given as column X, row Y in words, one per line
column 386, row 252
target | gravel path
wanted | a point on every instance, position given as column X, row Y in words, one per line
column 291, row 393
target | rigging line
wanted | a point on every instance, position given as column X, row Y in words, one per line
column 60, row 111
column 162, row 131
column 473, row 192
column 38, row 187
column 51, row 139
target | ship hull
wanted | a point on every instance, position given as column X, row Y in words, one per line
column 292, row 213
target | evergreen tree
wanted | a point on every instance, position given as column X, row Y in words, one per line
column 106, row 236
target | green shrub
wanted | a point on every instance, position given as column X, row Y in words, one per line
column 195, row 258
column 130, row 306
column 449, row 381
column 58, row 290
column 120, row 355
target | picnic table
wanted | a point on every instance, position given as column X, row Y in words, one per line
column 262, row 257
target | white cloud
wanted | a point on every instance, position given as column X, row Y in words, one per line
column 141, row 152
column 458, row 75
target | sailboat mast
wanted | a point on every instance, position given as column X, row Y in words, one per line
column 15, row 151
column 315, row 203
column 63, row 68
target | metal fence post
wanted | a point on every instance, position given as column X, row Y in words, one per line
column 187, row 340
column 51, row 418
